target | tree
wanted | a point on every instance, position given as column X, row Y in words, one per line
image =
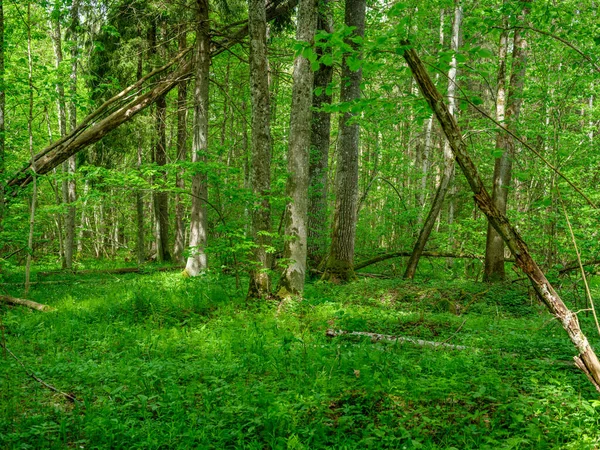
column 295, row 246
column 494, row 250
column 260, row 170
column 181, row 155
column 319, row 146
column 448, row 171
column 196, row 262
column 70, row 186
column 341, row 255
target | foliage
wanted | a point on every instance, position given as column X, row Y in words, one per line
column 160, row 361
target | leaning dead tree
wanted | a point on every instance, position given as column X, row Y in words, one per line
column 130, row 101
column 587, row 360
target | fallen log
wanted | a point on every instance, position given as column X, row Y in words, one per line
column 122, row 270
column 387, row 337
column 386, row 256
column 22, row 302
column 587, row 360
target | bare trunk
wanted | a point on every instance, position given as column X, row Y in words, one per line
column 70, row 186
column 292, row 279
column 2, row 110
column 341, row 255
column 587, row 360
column 494, row 249
column 31, row 152
column 260, row 169
column 319, row 149
column 448, row 169
column 139, row 207
column 196, row 262
column 161, row 199
column 181, row 157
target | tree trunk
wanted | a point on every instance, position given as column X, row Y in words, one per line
column 448, row 170
column 292, row 279
column 161, row 199
column 587, row 360
column 494, row 249
column 341, row 255
column 260, row 170
column 32, row 154
column 70, row 187
column 2, row 110
column 181, row 157
column 56, row 36
column 319, row 148
column 198, row 221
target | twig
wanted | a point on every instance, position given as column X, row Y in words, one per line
column 455, row 333
column 70, row 397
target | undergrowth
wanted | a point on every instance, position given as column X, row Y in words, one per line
column 162, row 362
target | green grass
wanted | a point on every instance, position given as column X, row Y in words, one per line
column 163, row 362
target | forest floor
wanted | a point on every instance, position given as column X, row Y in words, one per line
column 160, row 361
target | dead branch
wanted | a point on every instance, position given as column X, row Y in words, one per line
column 23, row 302
column 68, row 396
column 387, row 337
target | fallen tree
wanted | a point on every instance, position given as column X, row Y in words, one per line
column 122, row 270
column 386, row 256
column 587, row 360
column 23, row 302
column 121, row 108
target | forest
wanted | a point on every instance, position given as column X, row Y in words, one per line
column 298, row 224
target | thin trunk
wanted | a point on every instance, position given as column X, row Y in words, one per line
column 2, row 109
column 139, row 200
column 181, row 157
column 56, row 35
column 31, row 152
column 587, row 360
column 448, row 170
column 319, row 149
column 341, row 255
column 494, row 250
column 260, row 170
column 161, row 198
column 292, row 279
column 139, row 207
column 70, row 186
column 196, row 262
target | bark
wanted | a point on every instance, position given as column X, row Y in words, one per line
column 260, row 169
column 32, row 160
column 70, row 186
column 196, row 262
column 2, row 110
column 56, row 36
column 112, row 113
column 319, row 149
column 339, row 262
column 587, row 360
column 295, row 246
column 161, row 199
column 181, row 157
column 23, row 302
column 448, row 170
column 494, row 250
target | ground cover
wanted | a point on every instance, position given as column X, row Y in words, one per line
column 160, row 361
